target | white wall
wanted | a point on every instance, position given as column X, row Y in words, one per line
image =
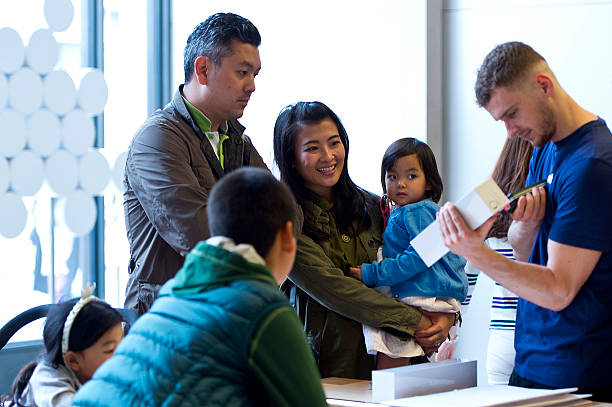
column 364, row 59
column 574, row 37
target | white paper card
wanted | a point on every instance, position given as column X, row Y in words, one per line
column 424, row 378
column 476, row 207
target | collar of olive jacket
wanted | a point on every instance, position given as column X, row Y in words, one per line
column 234, row 147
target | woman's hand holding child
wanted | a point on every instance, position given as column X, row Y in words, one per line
column 355, row 272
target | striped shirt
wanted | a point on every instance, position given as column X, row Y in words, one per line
column 504, row 302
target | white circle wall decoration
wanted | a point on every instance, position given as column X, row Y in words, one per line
column 3, row 90
column 13, row 215
column 78, row 212
column 119, row 171
column 58, row 14
column 25, row 90
column 26, row 173
column 94, row 172
column 92, row 91
column 12, row 51
column 78, row 133
column 4, row 175
column 62, row 171
column 42, row 52
column 59, row 92
column 12, row 132
column 43, row 132
column 47, row 132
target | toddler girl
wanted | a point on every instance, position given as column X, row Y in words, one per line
column 411, row 181
column 79, row 336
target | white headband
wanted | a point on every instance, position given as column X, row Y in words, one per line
column 86, row 297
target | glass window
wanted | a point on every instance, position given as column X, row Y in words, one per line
column 125, row 71
column 44, row 262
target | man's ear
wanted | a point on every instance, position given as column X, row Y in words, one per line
column 288, row 242
column 72, row 360
column 201, row 68
column 545, row 84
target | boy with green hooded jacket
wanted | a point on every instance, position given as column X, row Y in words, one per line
column 221, row 332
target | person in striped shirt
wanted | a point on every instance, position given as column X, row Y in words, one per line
column 509, row 173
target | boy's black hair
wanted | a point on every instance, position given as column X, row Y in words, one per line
column 250, row 206
column 213, row 38
column 349, row 199
column 409, row 146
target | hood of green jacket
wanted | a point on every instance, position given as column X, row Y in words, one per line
column 208, row 267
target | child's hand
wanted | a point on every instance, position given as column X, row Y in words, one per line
column 446, row 351
column 355, row 272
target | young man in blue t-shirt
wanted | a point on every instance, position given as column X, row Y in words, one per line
column 564, row 231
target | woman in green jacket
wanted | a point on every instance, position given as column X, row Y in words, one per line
column 342, row 228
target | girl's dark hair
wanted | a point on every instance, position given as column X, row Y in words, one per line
column 19, row 385
column 348, row 199
column 408, row 146
column 510, row 173
column 92, row 321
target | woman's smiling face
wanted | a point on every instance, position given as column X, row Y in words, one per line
column 319, row 157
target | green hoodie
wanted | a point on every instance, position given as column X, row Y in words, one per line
column 278, row 355
column 208, row 267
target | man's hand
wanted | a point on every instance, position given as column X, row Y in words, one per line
column 527, row 218
column 355, row 272
column 431, row 338
column 531, row 207
column 457, row 235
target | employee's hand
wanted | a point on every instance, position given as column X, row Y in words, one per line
column 431, row 338
column 526, row 221
column 457, row 235
column 530, row 208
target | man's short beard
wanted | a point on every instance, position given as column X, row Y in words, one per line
column 547, row 124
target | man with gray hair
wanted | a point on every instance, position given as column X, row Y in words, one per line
column 561, row 233
column 182, row 150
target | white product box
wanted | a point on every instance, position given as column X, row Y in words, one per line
column 476, row 207
column 425, row 378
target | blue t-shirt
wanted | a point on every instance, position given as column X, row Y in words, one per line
column 404, row 270
column 572, row 347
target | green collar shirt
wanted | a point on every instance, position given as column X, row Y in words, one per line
column 215, row 138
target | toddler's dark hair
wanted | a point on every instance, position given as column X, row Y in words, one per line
column 408, row 146
column 90, row 324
